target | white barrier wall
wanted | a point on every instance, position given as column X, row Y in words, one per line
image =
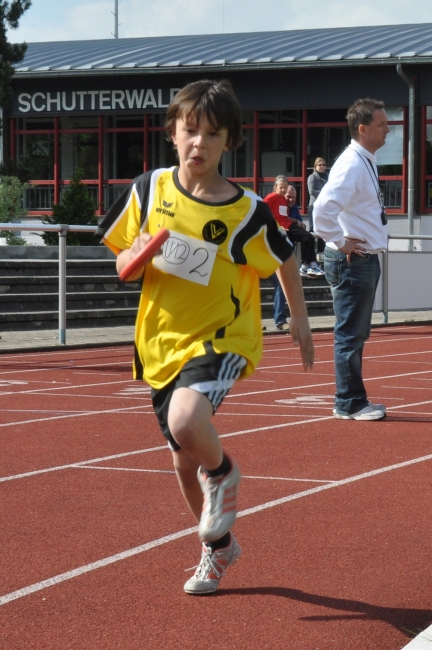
column 410, row 283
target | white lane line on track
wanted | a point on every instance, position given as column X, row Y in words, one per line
column 375, row 357
column 128, row 469
column 320, row 346
column 243, row 432
column 159, row 448
column 421, row 642
column 70, row 387
column 78, row 415
column 170, row 471
column 82, row 366
column 283, row 478
column 68, row 575
column 104, row 351
column 64, row 367
column 81, row 463
column 322, row 384
column 230, row 395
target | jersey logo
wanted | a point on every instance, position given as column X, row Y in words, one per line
column 215, row 232
column 165, row 210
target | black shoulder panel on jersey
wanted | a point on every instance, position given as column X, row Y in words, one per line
column 142, row 183
column 278, row 242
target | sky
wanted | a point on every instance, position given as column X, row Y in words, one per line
column 54, row 20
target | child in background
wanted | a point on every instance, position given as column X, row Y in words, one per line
column 296, row 229
column 198, row 326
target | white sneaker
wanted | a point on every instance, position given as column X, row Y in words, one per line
column 369, row 412
column 378, row 406
column 220, row 503
column 315, row 271
column 212, row 567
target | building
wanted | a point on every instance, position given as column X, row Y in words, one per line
column 99, row 105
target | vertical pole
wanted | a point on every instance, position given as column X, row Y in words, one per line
column 1, row 136
column 385, row 273
column 115, row 19
column 304, row 162
column 411, row 150
column 62, row 285
column 100, row 207
column 13, row 142
column 56, row 161
column 256, row 149
column 423, row 162
column 146, row 144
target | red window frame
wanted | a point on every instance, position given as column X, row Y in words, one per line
column 101, row 181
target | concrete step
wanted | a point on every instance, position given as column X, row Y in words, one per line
column 41, row 302
column 314, row 308
column 24, row 268
column 50, row 284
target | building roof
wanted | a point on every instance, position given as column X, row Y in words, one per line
column 297, row 48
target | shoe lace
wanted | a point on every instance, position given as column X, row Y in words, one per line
column 209, row 564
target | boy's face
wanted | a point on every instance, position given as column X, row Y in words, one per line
column 199, row 145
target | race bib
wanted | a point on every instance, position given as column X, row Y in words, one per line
column 188, row 258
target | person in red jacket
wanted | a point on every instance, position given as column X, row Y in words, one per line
column 279, row 205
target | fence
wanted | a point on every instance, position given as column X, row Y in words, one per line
column 63, row 230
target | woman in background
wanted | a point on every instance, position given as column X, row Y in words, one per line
column 316, row 182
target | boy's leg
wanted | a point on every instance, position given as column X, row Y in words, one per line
column 189, row 418
column 216, row 557
column 186, row 406
column 186, row 469
column 279, row 303
column 307, row 243
column 189, row 423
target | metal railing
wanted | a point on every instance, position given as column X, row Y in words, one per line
column 62, row 230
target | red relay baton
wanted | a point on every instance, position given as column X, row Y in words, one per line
column 144, row 255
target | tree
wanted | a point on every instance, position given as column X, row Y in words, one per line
column 10, row 53
column 77, row 208
column 11, row 206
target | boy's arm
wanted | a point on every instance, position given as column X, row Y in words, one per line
column 290, row 280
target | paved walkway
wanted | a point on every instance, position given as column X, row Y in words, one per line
column 91, row 336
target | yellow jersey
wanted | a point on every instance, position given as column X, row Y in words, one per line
column 203, row 292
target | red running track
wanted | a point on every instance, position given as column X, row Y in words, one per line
column 335, row 518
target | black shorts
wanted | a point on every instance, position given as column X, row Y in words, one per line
column 211, row 374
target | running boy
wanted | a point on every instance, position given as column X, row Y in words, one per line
column 198, row 324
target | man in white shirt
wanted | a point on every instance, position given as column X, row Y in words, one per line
column 349, row 214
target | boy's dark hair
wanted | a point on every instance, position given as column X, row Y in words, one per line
column 213, row 99
column 361, row 112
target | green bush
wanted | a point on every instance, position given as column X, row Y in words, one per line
column 11, row 206
column 76, row 209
